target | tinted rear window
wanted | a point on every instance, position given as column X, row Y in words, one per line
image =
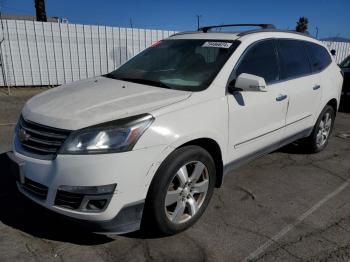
column 260, row 60
column 345, row 63
column 319, row 56
column 293, row 59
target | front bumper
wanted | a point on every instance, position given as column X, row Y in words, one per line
column 127, row 220
column 129, row 170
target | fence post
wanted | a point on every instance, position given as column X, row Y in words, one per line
column 20, row 53
column 30, row 60
column 120, row 48
column 47, row 61
column 8, row 39
column 54, row 54
column 64, row 69
column 76, row 39
column 70, row 53
column 86, row 65
column 106, row 50
column 113, row 50
column 37, row 53
column 92, row 51
column 99, row 48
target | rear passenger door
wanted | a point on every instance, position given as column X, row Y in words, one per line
column 303, row 87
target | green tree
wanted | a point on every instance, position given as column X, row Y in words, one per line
column 302, row 24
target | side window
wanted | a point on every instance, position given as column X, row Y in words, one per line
column 345, row 63
column 261, row 60
column 319, row 56
column 293, row 59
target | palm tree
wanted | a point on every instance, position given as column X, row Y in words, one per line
column 40, row 10
column 302, row 24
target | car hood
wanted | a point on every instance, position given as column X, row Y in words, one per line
column 96, row 100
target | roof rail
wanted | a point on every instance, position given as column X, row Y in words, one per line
column 205, row 29
column 274, row 30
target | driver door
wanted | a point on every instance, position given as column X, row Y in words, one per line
column 256, row 118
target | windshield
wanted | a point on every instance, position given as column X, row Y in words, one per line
column 345, row 63
column 189, row 65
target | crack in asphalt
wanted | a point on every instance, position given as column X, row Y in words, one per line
column 219, row 198
column 202, row 250
column 249, row 193
column 29, row 249
column 257, row 233
column 340, row 252
column 48, row 246
column 317, row 232
column 147, row 251
column 105, row 252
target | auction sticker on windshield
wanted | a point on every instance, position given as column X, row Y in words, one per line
column 217, row 44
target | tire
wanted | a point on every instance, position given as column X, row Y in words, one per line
column 173, row 203
column 318, row 139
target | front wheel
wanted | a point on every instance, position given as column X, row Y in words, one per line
column 180, row 191
column 319, row 137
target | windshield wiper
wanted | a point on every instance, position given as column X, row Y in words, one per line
column 145, row 82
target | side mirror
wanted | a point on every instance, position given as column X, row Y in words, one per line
column 248, row 82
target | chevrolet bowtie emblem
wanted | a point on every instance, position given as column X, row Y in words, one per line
column 22, row 135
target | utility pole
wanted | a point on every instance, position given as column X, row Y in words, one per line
column 198, row 17
column 40, row 10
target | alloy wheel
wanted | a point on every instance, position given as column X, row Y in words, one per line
column 324, row 130
column 187, row 192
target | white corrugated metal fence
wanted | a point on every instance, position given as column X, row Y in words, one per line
column 342, row 49
column 37, row 54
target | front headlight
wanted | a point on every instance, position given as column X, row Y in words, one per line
column 115, row 136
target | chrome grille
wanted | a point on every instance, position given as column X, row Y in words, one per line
column 39, row 139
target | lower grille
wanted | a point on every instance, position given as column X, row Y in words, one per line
column 68, row 200
column 35, row 189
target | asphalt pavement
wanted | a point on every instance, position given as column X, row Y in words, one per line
column 286, row 206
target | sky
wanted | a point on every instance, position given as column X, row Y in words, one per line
column 330, row 16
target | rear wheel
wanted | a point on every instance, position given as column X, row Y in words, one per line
column 180, row 191
column 319, row 137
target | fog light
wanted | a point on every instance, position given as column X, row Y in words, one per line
column 96, row 204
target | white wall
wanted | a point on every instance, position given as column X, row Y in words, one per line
column 37, row 53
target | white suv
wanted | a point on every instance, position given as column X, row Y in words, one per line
column 146, row 144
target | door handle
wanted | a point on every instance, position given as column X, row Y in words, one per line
column 316, row 87
column 281, row 97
